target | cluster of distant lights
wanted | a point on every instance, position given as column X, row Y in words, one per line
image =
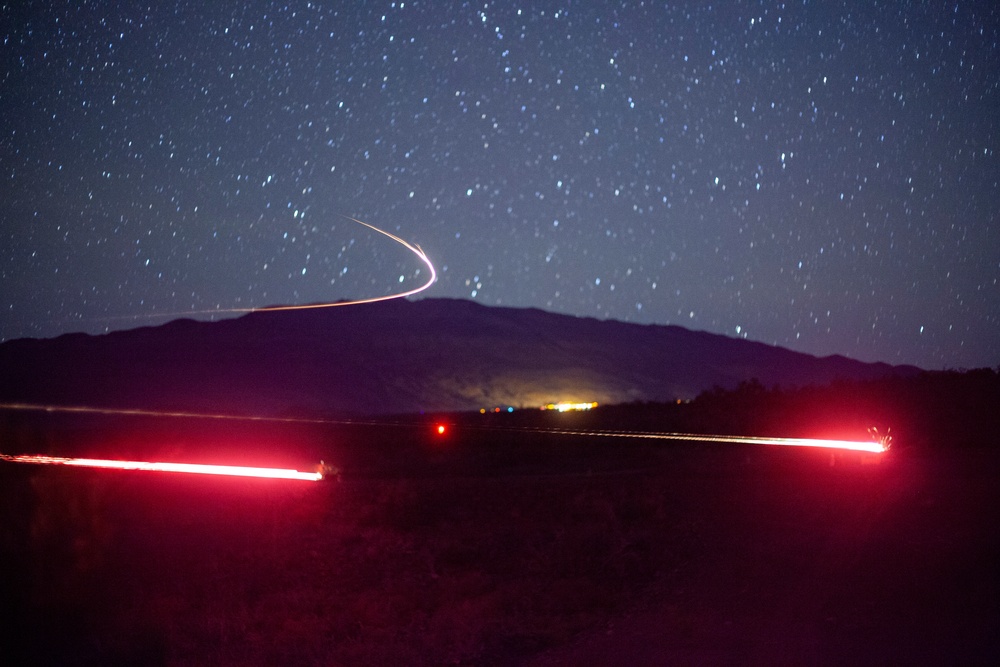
column 881, row 443
column 569, row 407
column 558, row 407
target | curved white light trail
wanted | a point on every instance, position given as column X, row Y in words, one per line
column 244, row 471
column 202, row 469
column 412, row 247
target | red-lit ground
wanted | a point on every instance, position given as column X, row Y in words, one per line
column 871, row 566
column 494, row 547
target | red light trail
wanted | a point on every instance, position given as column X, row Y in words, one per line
column 193, row 468
column 879, row 445
column 201, row 469
column 853, row 445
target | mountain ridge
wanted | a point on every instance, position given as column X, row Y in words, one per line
column 399, row 356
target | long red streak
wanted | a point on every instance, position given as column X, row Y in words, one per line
column 854, row 445
column 195, row 468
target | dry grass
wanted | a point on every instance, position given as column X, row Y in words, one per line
column 488, row 548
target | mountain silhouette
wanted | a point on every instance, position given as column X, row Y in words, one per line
column 396, row 357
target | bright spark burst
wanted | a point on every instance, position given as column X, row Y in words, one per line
column 193, row 468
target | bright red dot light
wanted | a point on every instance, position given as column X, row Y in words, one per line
column 440, row 429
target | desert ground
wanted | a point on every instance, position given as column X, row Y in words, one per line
column 493, row 545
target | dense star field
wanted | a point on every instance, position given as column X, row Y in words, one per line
column 817, row 175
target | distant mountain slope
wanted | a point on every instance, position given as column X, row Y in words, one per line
column 398, row 356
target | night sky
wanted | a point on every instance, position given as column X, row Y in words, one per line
column 817, row 175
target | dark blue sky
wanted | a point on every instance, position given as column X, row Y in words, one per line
column 817, row 175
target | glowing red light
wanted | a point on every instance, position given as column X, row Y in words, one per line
column 441, row 429
column 195, row 468
column 853, row 445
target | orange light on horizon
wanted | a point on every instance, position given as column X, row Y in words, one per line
column 147, row 466
column 570, row 407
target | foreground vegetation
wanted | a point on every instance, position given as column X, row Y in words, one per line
column 498, row 545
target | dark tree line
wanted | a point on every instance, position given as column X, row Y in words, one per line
column 935, row 409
